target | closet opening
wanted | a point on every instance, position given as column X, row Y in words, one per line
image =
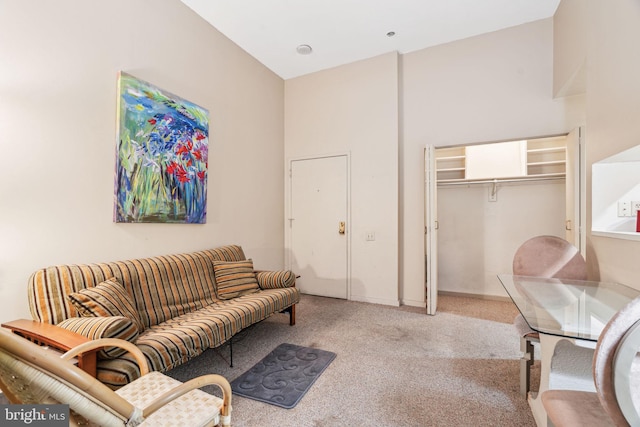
column 492, row 197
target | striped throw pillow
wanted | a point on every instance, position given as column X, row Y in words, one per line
column 106, row 299
column 276, row 279
column 103, row 327
column 235, row 278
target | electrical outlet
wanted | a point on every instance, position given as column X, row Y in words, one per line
column 371, row 236
column 624, row 208
column 635, row 207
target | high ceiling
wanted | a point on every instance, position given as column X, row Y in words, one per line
column 344, row 31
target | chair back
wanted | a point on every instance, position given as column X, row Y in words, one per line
column 605, row 355
column 625, row 378
column 549, row 256
column 30, row 374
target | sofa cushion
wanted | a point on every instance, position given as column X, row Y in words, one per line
column 171, row 343
column 225, row 253
column 104, row 327
column 275, row 279
column 161, row 287
column 235, row 278
column 104, row 300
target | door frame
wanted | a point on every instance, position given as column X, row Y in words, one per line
column 287, row 209
column 582, row 190
column 430, row 230
column 578, row 217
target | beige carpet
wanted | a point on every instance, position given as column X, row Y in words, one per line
column 394, row 366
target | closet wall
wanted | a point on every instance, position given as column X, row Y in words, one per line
column 482, row 224
column 492, row 87
column 477, row 238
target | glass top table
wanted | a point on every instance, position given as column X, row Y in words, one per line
column 567, row 308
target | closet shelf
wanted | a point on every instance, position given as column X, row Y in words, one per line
column 546, row 150
column 550, row 162
column 542, row 158
column 450, row 158
column 450, row 170
column 529, row 178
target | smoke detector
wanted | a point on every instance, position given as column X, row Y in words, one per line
column 304, row 49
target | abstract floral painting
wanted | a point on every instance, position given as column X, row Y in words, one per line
column 162, row 156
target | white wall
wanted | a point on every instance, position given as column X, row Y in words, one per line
column 613, row 108
column 478, row 238
column 354, row 108
column 57, row 131
column 570, row 48
column 57, row 134
column 489, row 88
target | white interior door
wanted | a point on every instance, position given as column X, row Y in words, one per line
column 319, row 226
column 431, row 229
column 575, row 188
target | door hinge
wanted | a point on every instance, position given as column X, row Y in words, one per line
column 436, row 226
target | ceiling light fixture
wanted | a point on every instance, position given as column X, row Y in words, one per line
column 391, row 33
column 304, row 49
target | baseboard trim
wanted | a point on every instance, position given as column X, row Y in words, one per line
column 413, row 303
column 382, row 301
column 478, row 296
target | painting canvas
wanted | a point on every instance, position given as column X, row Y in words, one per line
column 162, row 156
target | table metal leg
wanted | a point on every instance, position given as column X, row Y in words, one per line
column 526, row 361
column 547, row 346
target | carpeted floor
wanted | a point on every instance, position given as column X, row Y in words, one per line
column 394, row 366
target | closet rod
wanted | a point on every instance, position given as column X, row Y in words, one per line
column 503, row 180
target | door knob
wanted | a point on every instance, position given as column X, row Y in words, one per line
column 341, row 227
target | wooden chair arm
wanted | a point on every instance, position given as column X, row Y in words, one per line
column 211, row 379
column 58, row 338
column 110, row 342
column 46, row 334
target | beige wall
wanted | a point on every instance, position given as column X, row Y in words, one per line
column 478, row 238
column 354, row 108
column 57, row 135
column 613, row 109
column 493, row 87
column 57, row 131
column 569, row 48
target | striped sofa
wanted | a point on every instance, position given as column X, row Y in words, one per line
column 172, row 307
